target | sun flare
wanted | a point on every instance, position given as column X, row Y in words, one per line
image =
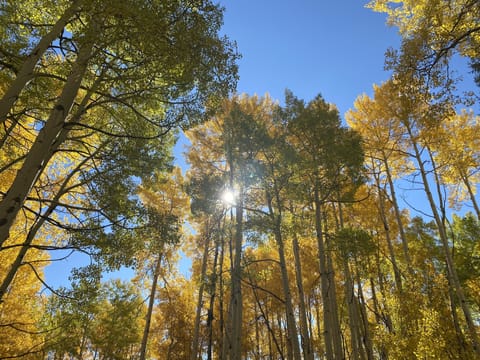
column 228, row 197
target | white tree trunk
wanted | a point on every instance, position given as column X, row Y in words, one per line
column 47, row 141
column 26, row 72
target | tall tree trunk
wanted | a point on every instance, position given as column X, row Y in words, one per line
column 213, row 289
column 367, row 339
column 26, row 72
column 306, row 342
column 151, row 302
column 265, row 315
column 398, row 215
column 471, row 194
column 338, row 347
column 276, row 216
column 383, row 354
column 350, row 299
column 330, row 327
column 292, row 336
column 451, row 271
column 47, row 141
column 203, row 273
column 352, row 311
column 234, row 350
column 386, row 227
column 41, row 218
column 221, row 287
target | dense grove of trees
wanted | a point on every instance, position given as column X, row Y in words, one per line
column 301, row 244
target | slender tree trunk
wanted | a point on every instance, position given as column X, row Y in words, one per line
column 265, row 315
column 26, row 72
column 35, row 227
column 306, row 342
column 290, row 316
column 383, row 354
column 391, row 251
column 292, row 336
column 196, row 327
column 330, row 327
column 471, row 194
column 221, row 287
column 398, row 215
column 336, row 331
column 151, row 302
column 451, row 271
column 352, row 311
column 45, row 144
column 213, row 287
column 367, row 339
column 320, row 332
column 456, row 323
column 235, row 339
column 350, row 298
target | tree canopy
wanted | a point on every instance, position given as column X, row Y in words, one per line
column 300, row 230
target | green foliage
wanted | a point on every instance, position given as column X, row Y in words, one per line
column 94, row 318
column 465, row 233
column 354, row 243
column 328, row 152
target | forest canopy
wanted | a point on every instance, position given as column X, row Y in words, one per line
column 301, row 245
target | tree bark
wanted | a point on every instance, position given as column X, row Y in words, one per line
column 276, row 217
column 234, row 339
column 398, row 215
column 471, row 194
column 330, row 327
column 386, row 227
column 26, row 72
column 47, row 141
column 35, row 227
column 203, row 273
column 306, row 341
column 151, row 302
column 451, row 271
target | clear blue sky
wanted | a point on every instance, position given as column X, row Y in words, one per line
column 332, row 47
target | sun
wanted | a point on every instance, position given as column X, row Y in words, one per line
column 228, row 197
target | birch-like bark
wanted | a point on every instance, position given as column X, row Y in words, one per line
column 203, row 275
column 306, row 341
column 26, row 72
column 235, row 337
column 291, row 326
column 48, row 140
column 324, row 279
column 386, row 227
column 398, row 215
column 36, row 226
column 451, row 271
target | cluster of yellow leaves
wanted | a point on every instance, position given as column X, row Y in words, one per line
column 448, row 21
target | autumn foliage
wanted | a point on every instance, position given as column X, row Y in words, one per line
column 302, row 238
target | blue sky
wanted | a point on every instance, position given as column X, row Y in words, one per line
column 335, row 48
column 329, row 47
